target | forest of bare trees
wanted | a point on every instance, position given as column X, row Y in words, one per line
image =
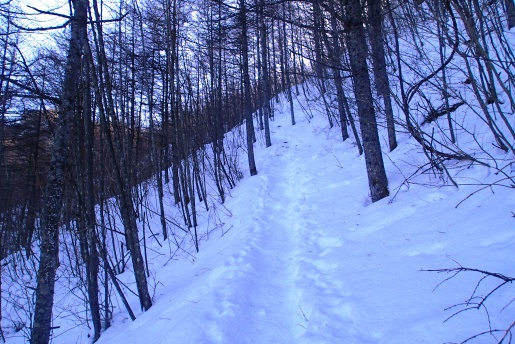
column 122, row 97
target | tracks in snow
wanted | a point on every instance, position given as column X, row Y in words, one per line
column 279, row 283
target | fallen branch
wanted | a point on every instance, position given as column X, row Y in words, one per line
column 434, row 114
column 477, row 301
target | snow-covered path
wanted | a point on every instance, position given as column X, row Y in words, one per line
column 275, row 292
column 265, row 292
column 305, row 258
column 290, row 287
column 265, row 280
column 300, row 181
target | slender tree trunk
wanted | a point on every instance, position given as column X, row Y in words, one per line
column 357, row 46
column 171, row 12
column 103, row 89
column 336, row 55
column 265, row 82
column 510, row 13
column 287, row 66
column 103, row 244
column 92, row 265
column 48, row 261
column 247, row 106
column 320, row 71
column 4, row 88
column 379, row 63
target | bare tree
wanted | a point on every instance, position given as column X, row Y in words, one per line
column 246, row 86
column 357, row 46
column 264, row 78
column 103, row 91
column 375, row 20
column 48, row 261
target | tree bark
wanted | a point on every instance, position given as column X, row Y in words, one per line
column 335, row 55
column 510, row 13
column 287, row 66
column 103, row 89
column 48, row 261
column 357, row 46
column 265, row 83
column 247, row 106
column 379, row 66
column 92, row 262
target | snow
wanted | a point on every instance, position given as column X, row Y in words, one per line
column 304, row 257
column 308, row 259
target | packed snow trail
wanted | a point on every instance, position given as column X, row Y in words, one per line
column 265, row 295
column 304, row 257
column 262, row 282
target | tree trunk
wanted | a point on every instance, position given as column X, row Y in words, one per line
column 379, row 63
column 287, row 66
column 320, row 71
column 264, row 73
column 247, row 106
column 92, row 263
column 335, row 54
column 103, row 89
column 510, row 13
column 357, row 46
column 48, row 261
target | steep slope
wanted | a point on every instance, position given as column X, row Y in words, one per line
column 305, row 258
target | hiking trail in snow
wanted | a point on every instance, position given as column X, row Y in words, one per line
column 304, row 257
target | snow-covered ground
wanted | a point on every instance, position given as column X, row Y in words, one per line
column 304, row 257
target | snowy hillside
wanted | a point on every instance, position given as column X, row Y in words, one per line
column 304, row 257
column 128, row 212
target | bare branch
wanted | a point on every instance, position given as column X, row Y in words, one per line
column 38, row 93
column 48, row 12
column 476, row 302
column 36, row 29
